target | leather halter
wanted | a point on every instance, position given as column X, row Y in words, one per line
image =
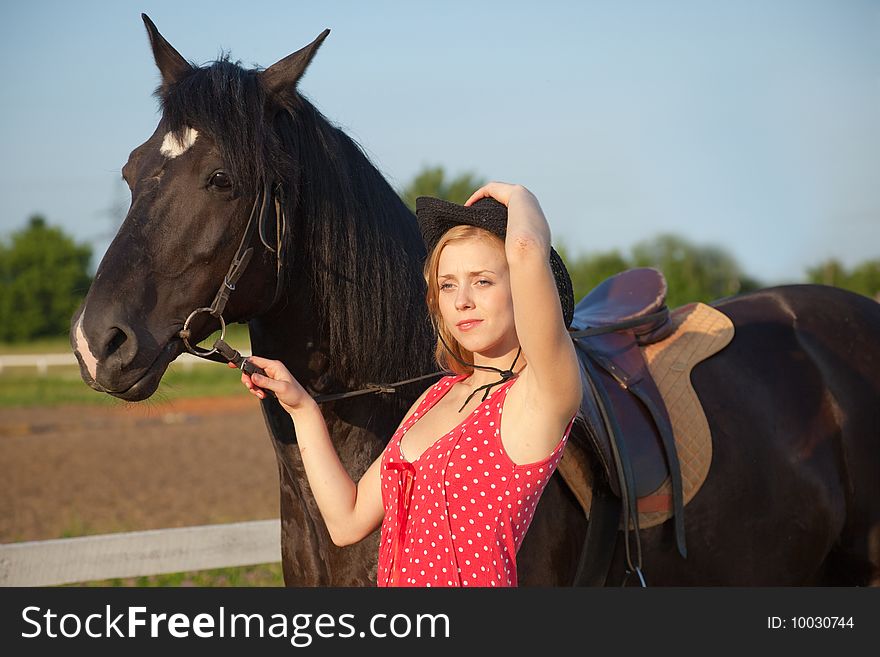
column 265, row 202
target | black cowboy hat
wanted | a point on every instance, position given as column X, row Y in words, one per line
column 436, row 216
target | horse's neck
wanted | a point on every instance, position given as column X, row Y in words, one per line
column 308, row 556
column 292, row 336
column 346, row 339
column 295, row 333
column 366, row 253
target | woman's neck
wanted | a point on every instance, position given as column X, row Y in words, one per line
column 503, row 362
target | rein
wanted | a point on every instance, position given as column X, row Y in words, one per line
column 221, row 352
column 267, row 200
column 372, row 388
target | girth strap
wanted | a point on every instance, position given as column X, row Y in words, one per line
column 622, row 463
column 635, row 384
column 598, row 548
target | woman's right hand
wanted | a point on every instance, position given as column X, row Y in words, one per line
column 291, row 395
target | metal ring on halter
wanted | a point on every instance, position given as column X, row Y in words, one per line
column 184, row 334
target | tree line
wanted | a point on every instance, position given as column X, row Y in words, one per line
column 44, row 273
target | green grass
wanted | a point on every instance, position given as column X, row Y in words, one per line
column 262, row 575
column 63, row 385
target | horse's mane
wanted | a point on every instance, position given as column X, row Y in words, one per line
column 351, row 239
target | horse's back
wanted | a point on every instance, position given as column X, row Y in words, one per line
column 835, row 334
column 804, row 373
column 837, row 327
column 793, row 405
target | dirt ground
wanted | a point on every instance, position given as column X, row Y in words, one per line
column 72, row 471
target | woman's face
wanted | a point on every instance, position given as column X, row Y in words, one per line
column 472, row 275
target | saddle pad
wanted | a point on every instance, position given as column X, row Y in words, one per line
column 700, row 331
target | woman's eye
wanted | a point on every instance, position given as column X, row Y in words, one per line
column 445, row 286
column 220, row 179
column 483, row 280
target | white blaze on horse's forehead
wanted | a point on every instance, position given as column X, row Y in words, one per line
column 173, row 147
column 85, row 352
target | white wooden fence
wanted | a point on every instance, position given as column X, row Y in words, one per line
column 133, row 554
column 44, row 361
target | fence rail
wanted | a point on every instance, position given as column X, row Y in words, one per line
column 134, row 554
column 42, row 362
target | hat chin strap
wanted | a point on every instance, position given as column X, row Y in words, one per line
column 505, row 374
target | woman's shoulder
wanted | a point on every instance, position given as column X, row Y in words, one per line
column 435, row 388
column 533, row 427
column 449, row 380
column 443, row 382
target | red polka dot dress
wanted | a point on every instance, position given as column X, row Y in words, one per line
column 456, row 516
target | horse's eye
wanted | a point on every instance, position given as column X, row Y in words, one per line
column 220, row 179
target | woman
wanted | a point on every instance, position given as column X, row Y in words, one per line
column 456, row 487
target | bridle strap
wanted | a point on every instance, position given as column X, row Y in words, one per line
column 242, row 256
column 277, row 197
column 280, row 239
column 263, row 203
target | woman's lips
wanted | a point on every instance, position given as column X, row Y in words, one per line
column 467, row 326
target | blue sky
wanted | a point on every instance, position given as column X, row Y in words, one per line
column 748, row 125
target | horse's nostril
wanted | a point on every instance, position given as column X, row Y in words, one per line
column 117, row 339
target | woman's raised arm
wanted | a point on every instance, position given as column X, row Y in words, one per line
column 537, row 311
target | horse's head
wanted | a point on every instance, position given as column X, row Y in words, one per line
column 195, row 183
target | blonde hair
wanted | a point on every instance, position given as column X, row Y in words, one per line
column 432, row 296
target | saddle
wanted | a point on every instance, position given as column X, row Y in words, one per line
column 614, row 371
column 623, row 420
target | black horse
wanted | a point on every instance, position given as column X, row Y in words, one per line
column 333, row 289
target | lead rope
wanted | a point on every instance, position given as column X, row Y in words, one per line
column 505, row 374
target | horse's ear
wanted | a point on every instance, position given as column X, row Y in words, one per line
column 281, row 78
column 171, row 64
